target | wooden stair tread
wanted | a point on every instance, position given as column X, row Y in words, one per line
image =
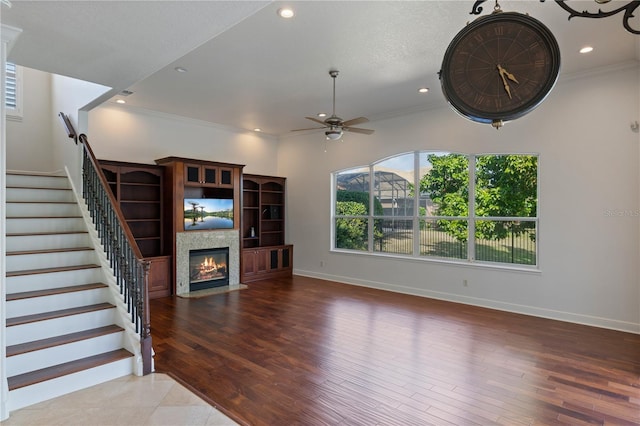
column 45, row 251
column 37, row 187
column 56, row 371
column 28, row 234
column 53, row 291
column 57, row 314
column 34, row 174
column 50, row 270
column 45, row 217
column 37, row 345
column 41, row 202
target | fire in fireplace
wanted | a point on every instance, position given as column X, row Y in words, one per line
column 208, row 268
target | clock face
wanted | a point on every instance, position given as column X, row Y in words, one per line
column 500, row 67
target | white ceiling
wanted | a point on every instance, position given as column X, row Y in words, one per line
column 249, row 68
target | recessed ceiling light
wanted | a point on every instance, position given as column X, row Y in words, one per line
column 180, row 69
column 257, row 129
column 423, row 89
column 285, row 12
column 322, row 114
column 121, row 101
column 586, row 49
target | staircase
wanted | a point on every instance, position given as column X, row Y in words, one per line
column 64, row 331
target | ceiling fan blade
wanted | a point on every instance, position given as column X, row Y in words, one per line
column 309, row 128
column 355, row 121
column 358, row 130
column 316, row 120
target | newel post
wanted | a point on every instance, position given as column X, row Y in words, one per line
column 145, row 330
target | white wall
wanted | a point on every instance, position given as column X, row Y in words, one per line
column 588, row 204
column 28, row 140
column 70, row 96
column 140, row 136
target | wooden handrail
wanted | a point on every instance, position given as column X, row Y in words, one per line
column 103, row 180
column 130, row 269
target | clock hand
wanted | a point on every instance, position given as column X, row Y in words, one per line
column 503, row 72
column 510, row 76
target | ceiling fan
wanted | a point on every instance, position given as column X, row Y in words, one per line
column 334, row 124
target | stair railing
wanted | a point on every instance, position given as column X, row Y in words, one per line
column 130, row 269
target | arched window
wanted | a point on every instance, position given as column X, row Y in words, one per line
column 440, row 205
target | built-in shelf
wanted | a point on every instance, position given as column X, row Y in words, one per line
column 138, row 190
column 264, row 253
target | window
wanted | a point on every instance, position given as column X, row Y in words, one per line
column 475, row 208
column 13, row 91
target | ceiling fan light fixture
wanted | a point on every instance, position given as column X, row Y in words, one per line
column 333, row 134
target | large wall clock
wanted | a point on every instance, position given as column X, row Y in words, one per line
column 500, row 67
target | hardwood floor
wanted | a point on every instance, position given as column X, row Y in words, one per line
column 304, row 351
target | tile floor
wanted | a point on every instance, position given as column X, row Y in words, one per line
column 155, row 399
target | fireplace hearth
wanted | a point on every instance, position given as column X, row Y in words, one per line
column 208, row 268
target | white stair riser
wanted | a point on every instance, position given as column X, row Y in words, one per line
column 25, row 262
column 35, row 282
column 35, row 226
column 29, row 395
column 56, row 302
column 37, row 181
column 49, row 241
column 30, row 361
column 54, row 327
column 37, row 209
column 40, row 194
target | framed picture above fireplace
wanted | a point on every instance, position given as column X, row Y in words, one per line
column 208, row 213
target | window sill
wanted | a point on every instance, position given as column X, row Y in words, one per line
column 448, row 262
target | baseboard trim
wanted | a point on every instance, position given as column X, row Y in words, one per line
column 575, row 318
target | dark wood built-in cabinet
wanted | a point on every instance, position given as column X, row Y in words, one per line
column 266, row 262
column 264, row 253
column 208, row 175
column 187, row 178
column 138, row 189
column 152, row 200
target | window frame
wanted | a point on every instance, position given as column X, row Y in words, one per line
column 14, row 113
column 471, row 217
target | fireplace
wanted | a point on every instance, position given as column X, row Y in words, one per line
column 208, row 268
column 197, row 240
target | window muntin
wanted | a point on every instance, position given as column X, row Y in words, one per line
column 468, row 207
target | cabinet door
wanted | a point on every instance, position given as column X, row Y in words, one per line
column 209, row 175
column 159, row 276
column 249, row 263
column 192, row 174
column 226, row 177
column 262, row 264
column 286, row 259
column 254, row 261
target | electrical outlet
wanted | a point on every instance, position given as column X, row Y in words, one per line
column 322, row 263
column 465, row 283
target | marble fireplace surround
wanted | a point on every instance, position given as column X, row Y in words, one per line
column 197, row 240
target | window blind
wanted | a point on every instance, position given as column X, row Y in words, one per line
column 11, row 95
